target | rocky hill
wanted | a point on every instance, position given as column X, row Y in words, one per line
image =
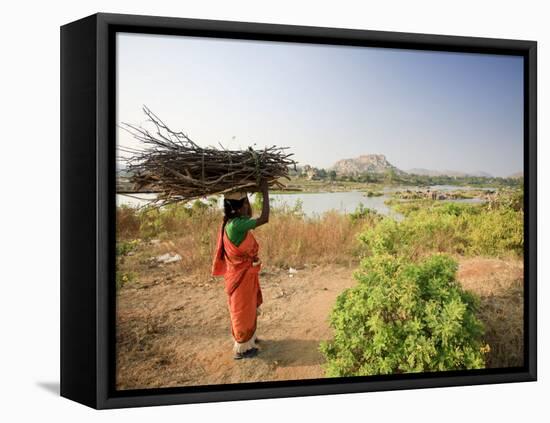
column 367, row 163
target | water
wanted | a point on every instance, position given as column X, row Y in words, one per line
column 134, row 200
column 312, row 203
column 343, row 202
column 315, row 204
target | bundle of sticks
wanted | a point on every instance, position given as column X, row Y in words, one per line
column 178, row 169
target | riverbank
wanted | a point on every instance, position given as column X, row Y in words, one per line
column 316, row 202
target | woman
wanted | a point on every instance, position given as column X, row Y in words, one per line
column 236, row 258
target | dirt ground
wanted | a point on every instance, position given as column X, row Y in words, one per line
column 173, row 330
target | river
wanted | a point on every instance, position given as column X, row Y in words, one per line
column 315, row 204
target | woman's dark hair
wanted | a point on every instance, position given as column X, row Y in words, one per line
column 231, row 209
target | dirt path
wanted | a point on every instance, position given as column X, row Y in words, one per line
column 175, row 333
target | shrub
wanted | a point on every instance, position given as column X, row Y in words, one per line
column 419, row 234
column 452, row 228
column 404, row 317
column 364, row 213
column 511, row 199
column 385, row 238
column 455, row 209
column 124, row 247
column 496, row 232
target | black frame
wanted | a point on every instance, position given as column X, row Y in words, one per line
column 88, row 142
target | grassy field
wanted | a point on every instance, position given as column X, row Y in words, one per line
column 485, row 240
column 290, row 239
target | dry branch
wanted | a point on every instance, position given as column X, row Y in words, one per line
column 178, row 169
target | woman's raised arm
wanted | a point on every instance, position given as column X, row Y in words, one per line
column 264, row 217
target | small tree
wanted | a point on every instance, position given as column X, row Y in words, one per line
column 404, row 317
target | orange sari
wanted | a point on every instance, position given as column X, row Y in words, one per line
column 240, row 268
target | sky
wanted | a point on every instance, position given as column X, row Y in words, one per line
column 433, row 110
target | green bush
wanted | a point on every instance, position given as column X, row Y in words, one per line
column 404, row 317
column 124, row 247
column 419, row 234
column 385, row 238
column 496, row 232
column 155, row 221
column 362, row 213
column 454, row 228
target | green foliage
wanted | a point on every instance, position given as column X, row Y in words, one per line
column 124, row 247
column 296, row 210
column 374, row 194
column 391, row 176
column 122, row 250
column 364, row 213
column 404, row 317
column 416, row 235
column 508, row 199
column 123, row 278
column 154, row 221
column 496, row 232
column 456, row 228
column 407, row 313
column 258, row 202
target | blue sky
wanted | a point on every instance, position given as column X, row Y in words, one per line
column 443, row 111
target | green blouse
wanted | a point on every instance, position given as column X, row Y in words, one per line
column 237, row 228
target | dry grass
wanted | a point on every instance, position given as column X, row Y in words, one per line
column 499, row 284
column 288, row 240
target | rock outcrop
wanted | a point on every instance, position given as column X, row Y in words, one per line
column 367, row 163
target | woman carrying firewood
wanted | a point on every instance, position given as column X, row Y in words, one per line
column 236, row 258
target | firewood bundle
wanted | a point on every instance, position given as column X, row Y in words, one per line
column 178, row 169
